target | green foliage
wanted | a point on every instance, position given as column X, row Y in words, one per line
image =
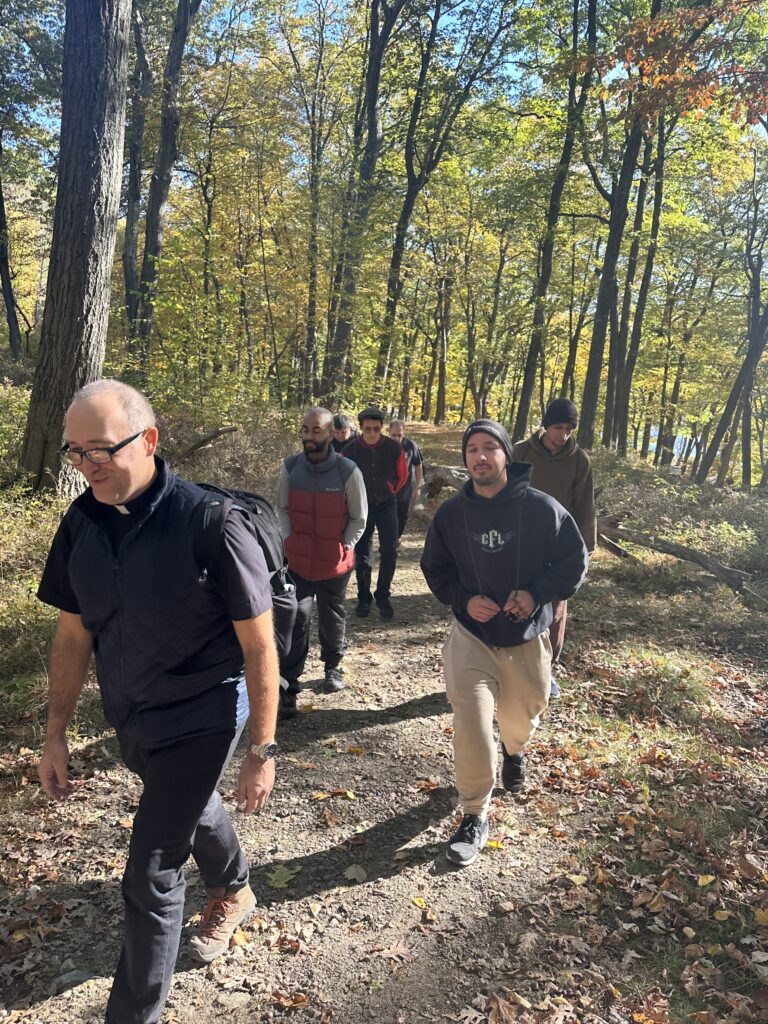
column 14, row 401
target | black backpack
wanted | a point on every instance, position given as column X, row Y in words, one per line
column 261, row 517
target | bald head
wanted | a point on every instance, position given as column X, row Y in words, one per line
column 324, row 417
column 316, row 431
column 106, row 415
column 116, row 396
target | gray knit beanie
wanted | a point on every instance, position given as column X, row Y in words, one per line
column 487, row 427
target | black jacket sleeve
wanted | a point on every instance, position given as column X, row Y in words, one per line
column 567, row 565
column 441, row 571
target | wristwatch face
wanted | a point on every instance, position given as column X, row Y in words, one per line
column 263, row 750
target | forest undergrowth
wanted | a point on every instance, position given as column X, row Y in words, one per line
column 628, row 884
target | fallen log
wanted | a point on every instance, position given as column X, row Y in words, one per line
column 203, row 442
column 736, row 579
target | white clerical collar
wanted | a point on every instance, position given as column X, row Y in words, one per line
column 122, row 510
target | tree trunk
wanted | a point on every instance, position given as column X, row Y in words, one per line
column 608, row 289
column 383, row 18
column 746, row 437
column 140, row 91
column 645, row 444
column 727, row 452
column 159, row 187
column 14, row 332
column 613, row 371
column 443, row 334
column 668, row 438
column 73, row 336
column 620, row 358
column 757, row 343
column 547, row 241
column 622, row 407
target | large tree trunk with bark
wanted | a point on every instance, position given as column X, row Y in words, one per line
column 73, row 336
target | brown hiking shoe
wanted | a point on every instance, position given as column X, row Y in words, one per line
column 218, row 922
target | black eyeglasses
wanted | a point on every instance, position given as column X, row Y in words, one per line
column 75, row 456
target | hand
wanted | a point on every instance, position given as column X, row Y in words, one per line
column 257, row 778
column 482, row 609
column 520, row 604
column 53, row 768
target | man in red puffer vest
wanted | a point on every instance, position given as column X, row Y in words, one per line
column 322, row 510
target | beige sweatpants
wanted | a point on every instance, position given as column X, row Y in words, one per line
column 477, row 677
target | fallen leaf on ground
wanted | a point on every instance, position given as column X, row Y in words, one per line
column 356, row 873
column 281, row 875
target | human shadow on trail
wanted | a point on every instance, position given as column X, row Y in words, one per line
column 294, row 734
column 373, row 850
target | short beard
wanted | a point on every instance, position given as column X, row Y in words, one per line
column 315, row 447
column 488, row 481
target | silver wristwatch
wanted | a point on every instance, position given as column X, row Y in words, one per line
column 264, row 751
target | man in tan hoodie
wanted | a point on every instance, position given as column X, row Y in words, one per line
column 564, row 471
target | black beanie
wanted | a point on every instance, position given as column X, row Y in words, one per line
column 561, row 410
column 372, row 412
column 487, row 427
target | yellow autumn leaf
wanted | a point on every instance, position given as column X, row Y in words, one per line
column 420, row 902
column 705, row 880
column 657, row 903
column 495, row 844
column 355, row 750
column 689, row 933
column 761, row 917
column 320, row 795
column 239, row 938
column 577, row 879
column 600, row 876
column 723, row 915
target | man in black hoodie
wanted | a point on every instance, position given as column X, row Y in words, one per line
column 498, row 553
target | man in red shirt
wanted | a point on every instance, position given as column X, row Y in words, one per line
column 385, row 472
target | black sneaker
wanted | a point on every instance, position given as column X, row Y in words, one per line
column 467, row 841
column 287, row 707
column 333, row 682
column 363, row 609
column 512, row 771
column 386, row 611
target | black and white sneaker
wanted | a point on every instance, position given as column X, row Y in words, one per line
column 512, row 771
column 467, row 841
column 333, row 682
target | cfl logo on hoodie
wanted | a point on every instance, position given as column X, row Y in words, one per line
column 493, row 541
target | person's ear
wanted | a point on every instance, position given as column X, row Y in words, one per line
column 151, row 438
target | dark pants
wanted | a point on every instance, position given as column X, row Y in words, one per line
column 331, row 625
column 403, row 507
column 180, row 813
column 557, row 629
column 382, row 518
column 284, row 618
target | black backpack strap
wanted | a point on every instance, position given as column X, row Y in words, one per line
column 209, row 528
